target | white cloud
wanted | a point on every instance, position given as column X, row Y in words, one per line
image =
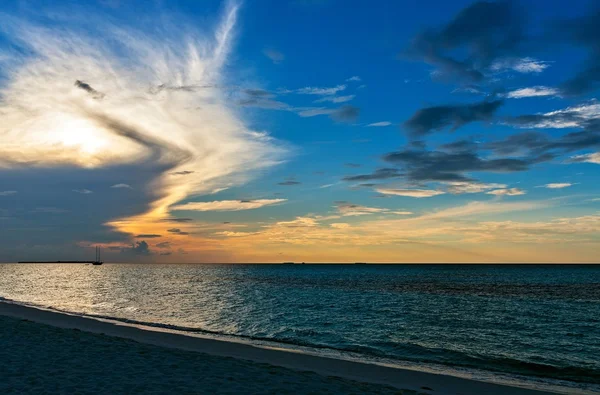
column 535, row 91
column 460, row 187
column 122, row 186
column 523, row 65
column 275, row 56
column 588, row 158
column 581, row 112
column 354, row 78
column 507, row 192
column 379, row 124
column 133, row 86
column 83, row 191
column 310, row 90
column 416, row 193
column 401, row 212
column 227, row 205
column 7, row 193
column 557, row 185
column 336, row 99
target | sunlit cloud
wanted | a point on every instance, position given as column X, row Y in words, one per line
column 507, row 192
column 227, row 205
column 121, row 186
column 415, row 193
column 118, row 96
column 535, row 91
column 588, row 158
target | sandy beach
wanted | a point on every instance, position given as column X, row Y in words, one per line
column 48, row 351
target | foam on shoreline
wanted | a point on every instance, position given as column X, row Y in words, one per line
column 362, row 372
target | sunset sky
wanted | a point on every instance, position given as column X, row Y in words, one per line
column 300, row 130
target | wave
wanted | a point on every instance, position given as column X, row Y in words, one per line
column 386, row 351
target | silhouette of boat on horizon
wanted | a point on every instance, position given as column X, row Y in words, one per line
column 96, row 262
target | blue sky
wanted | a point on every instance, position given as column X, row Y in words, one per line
column 323, row 131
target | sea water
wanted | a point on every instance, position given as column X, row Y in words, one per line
column 534, row 324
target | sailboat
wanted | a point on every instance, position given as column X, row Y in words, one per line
column 97, row 261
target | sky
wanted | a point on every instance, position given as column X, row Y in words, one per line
column 300, row 130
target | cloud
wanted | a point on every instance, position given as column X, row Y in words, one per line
column 275, row 56
column 86, row 87
column 570, row 117
column 340, row 225
column 7, row 193
column 588, row 158
column 351, row 210
column 227, row 205
column 421, row 165
column 154, row 79
column 522, row 65
column 415, row 193
column 177, row 231
column 582, row 31
column 141, row 248
column 164, row 244
column 147, row 236
column 354, row 79
column 557, row 185
column 353, row 165
column 83, row 191
column 345, row 113
column 485, row 32
column 336, row 99
column 402, row 212
column 507, row 192
column 379, row 124
column 535, row 91
column 310, row 90
column 430, row 119
column 379, row 174
column 471, row 187
column 121, row 186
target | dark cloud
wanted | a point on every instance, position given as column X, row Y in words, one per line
column 345, row 114
column 177, row 220
column 258, row 93
column 540, row 147
column 147, row 236
column 430, row 119
column 379, row 174
column 450, row 166
column 165, row 253
column 262, row 102
column 164, row 244
column 459, row 146
column 174, row 230
column 288, row 183
column 182, row 173
column 353, row 165
column 483, row 33
column 141, row 248
column 86, row 87
column 583, row 31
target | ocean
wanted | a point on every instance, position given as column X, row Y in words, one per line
column 537, row 325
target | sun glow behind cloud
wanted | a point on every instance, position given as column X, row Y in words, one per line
column 121, row 96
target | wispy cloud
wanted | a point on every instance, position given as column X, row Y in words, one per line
column 379, row 124
column 415, row 193
column 588, row 158
column 83, row 191
column 336, row 99
column 7, row 193
column 535, row 91
column 275, row 56
column 354, row 78
column 557, row 185
column 522, row 65
column 507, row 192
column 227, row 205
column 311, row 90
column 351, row 210
column 121, row 186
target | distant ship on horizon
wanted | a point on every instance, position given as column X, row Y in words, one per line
column 96, row 262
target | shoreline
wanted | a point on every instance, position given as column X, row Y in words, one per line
column 399, row 378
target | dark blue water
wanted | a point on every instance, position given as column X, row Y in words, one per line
column 542, row 322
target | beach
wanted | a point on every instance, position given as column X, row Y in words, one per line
column 47, row 351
